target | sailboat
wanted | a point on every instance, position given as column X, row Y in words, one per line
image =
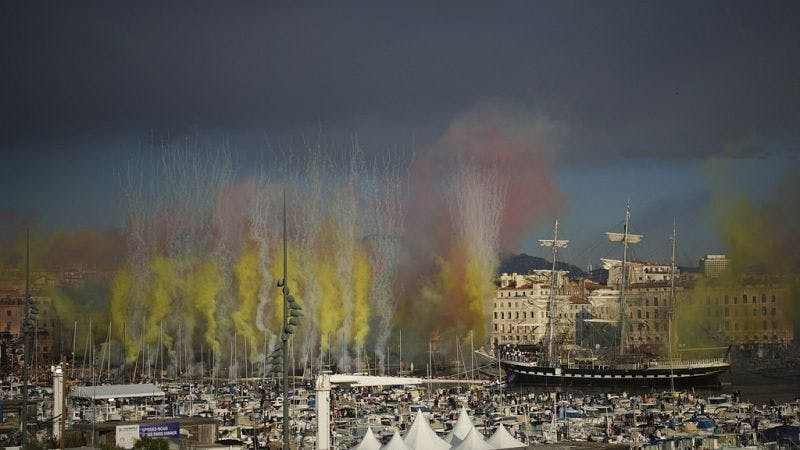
column 618, row 369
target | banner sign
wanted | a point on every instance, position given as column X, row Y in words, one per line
column 160, row 430
column 127, row 435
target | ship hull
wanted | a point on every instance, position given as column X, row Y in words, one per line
column 684, row 376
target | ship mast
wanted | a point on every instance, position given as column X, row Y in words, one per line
column 555, row 243
column 626, row 238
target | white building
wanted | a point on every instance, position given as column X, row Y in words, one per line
column 638, row 271
column 713, row 265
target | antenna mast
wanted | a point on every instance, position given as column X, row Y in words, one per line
column 555, row 243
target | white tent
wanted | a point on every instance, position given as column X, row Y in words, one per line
column 504, row 440
column 370, row 442
column 473, row 441
column 422, row 437
column 460, row 429
column 396, row 444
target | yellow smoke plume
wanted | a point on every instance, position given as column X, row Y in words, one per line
column 478, row 289
column 362, row 280
column 248, row 282
column 121, row 308
column 331, row 307
column 203, row 284
column 164, row 287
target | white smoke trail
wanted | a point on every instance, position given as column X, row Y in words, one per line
column 386, row 233
column 478, row 209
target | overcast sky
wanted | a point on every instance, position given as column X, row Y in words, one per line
column 645, row 93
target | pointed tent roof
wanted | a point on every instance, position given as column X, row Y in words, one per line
column 504, row 440
column 461, row 428
column 395, row 444
column 370, row 442
column 422, row 437
column 473, row 441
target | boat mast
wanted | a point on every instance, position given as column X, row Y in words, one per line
column 671, row 305
column 555, row 243
column 626, row 238
column 25, row 349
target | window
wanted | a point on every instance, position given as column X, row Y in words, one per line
column 8, row 312
column 495, row 314
column 639, row 313
column 763, row 298
column 773, row 299
column 754, row 299
column 726, row 299
column 646, row 302
column 647, row 314
column 735, row 300
column 772, row 311
column 763, row 310
column 744, row 299
column 495, row 327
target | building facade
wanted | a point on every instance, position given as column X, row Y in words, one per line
column 42, row 337
column 756, row 309
column 713, row 265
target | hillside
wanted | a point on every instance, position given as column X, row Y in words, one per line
column 524, row 263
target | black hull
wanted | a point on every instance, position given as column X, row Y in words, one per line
column 684, row 376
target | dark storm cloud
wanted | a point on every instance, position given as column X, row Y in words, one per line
column 627, row 78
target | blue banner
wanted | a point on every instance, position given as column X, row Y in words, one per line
column 160, row 430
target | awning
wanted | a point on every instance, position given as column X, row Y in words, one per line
column 117, row 391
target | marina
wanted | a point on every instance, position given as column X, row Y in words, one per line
column 422, row 413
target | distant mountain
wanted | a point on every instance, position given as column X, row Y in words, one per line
column 523, row 263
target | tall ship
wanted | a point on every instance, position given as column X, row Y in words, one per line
column 614, row 365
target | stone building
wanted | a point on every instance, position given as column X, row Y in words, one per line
column 42, row 337
column 754, row 309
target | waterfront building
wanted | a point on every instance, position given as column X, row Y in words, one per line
column 638, row 271
column 42, row 340
column 713, row 265
column 752, row 310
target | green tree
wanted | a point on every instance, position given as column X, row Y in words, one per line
column 147, row 443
